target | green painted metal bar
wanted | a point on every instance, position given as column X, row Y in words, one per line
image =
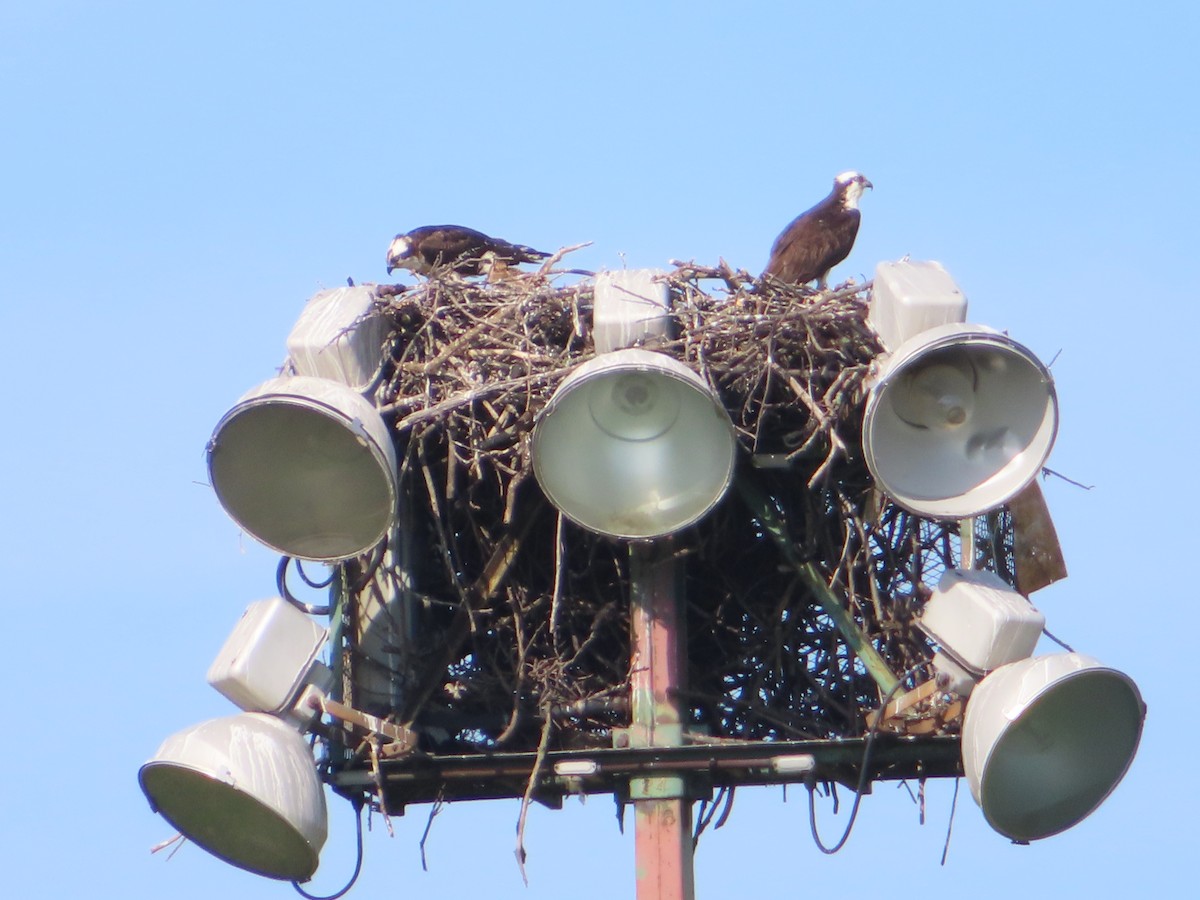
column 776, row 528
column 966, row 539
column 339, row 594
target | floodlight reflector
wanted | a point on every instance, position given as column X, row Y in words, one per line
column 634, row 444
column 1047, row 739
column 959, row 419
column 244, row 788
column 306, row 466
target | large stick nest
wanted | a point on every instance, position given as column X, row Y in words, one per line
column 514, row 615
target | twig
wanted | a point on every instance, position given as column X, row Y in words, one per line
column 555, row 258
column 534, row 775
column 464, row 398
column 1047, row 472
column 556, row 591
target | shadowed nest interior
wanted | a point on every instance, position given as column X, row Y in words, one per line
column 487, row 614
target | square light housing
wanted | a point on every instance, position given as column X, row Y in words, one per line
column 268, row 657
column 981, row 622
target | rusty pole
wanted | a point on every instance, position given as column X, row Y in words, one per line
column 662, row 803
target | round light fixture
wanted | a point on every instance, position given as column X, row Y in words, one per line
column 306, row 466
column 633, row 444
column 244, row 788
column 1047, row 739
column 960, row 418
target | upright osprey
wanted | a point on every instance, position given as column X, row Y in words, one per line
column 819, row 239
column 463, row 250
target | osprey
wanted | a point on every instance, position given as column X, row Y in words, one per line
column 464, row 250
column 819, row 239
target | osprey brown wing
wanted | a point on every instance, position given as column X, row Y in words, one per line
column 517, row 253
column 450, row 245
column 812, row 245
column 464, row 250
column 817, row 240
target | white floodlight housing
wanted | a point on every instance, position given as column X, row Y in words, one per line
column 633, row 444
column 1046, row 740
column 958, row 420
column 306, row 466
column 246, row 789
column 629, row 306
column 908, row 297
column 980, row 623
column 268, row 657
column 339, row 336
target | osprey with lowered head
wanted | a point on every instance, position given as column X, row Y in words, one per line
column 819, row 239
column 463, row 250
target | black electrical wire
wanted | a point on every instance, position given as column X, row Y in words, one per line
column 708, row 813
column 950, row 824
column 286, row 594
column 357, row 864
column 862, row 775
column 315, row 585
column 1059, row 641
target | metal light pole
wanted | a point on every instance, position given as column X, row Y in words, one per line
column 662, row 803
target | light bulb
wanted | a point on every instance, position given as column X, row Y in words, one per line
column 938, row 395
column 635, row 406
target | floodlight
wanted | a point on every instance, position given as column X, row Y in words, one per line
column 246, row 789
column 306, row 466
column 633, row 444
column 958, row 420
column 1046, row 740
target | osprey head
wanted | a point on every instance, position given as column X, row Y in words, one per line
column 850, row 185
column 400, row 254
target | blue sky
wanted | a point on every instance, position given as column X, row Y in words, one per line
column 176, row 180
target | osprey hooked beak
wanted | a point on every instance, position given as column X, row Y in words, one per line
column 853, row 184
column 398, row 253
